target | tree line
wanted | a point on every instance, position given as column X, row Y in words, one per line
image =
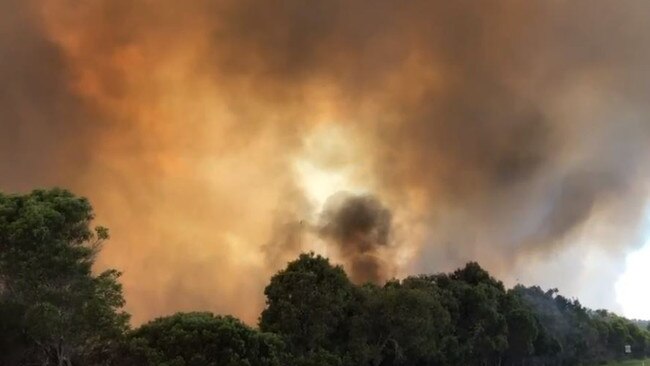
column 55, row 311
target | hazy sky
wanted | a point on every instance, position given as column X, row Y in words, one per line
column 218, row 139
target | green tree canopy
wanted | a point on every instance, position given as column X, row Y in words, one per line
column 54, row 310
column 407, row 325
column 201, row 339
column 308, row 304
column 60, row 311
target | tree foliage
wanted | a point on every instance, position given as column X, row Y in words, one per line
column 308, row 303
column 58, row 311
column 54, row 310
column 201, row 339
column 463, row 318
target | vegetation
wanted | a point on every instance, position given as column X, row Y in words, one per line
column 630, row 363
column 55, row 311
column 200, row 339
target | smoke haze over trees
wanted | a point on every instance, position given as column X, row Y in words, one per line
column 514, row 133
column 54, row 310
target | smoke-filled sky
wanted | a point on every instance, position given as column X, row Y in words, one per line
column 218, row 139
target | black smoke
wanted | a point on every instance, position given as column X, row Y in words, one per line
column 359, row 225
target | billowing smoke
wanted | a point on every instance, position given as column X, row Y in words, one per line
column 43, row 126
column 209, row 135
column 359, row 226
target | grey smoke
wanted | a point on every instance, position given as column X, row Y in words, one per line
column 358, row 225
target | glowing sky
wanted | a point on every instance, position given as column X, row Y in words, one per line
column 632, row 284
column 631, row 288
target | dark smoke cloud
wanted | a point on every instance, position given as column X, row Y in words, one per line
column 43, row 125
column 359, row 226
column 507, row 132
column 517, row 128
column 513, row 123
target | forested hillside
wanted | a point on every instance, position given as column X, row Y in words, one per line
column 54, row 310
